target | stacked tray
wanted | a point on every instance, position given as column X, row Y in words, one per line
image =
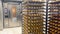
column 34, row 15
column 54, row 25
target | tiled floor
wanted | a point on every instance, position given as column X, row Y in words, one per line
column 17, row 30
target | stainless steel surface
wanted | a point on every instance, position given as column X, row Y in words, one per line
column 12, row 15
column 12, row 0
column 1, row 16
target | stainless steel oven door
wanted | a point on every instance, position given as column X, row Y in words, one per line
column 12, row 15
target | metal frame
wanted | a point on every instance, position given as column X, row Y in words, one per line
column 47, row 15
column 1, row 16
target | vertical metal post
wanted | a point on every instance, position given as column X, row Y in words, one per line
column 46, row 14
column 3, row 12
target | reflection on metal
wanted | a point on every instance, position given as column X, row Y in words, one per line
column 13, row 16
column 14, row 11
